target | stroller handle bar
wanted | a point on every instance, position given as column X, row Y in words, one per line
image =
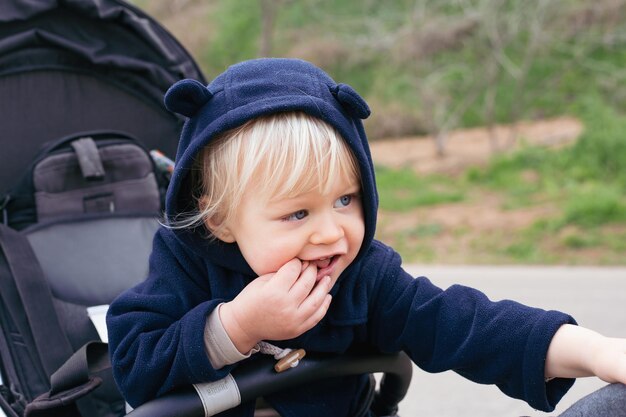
column 258, row 379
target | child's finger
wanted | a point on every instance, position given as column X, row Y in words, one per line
column 287, row 275
column 304, row 284
column 316, row 298
column 319, row 313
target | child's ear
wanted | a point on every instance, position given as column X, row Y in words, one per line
column 215, row 224
column 219, row 230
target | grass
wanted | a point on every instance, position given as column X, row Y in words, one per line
column 403, row 190
column 587, row 177
column 585, row 183
column 595, row 205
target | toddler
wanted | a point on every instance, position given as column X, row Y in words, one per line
column 269, row 236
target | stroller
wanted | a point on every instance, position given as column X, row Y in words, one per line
column 84, row 142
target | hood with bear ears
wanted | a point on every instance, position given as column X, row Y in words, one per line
column 249, row 90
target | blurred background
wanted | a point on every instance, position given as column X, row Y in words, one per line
column 498, row 127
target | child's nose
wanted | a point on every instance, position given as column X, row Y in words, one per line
column 326, row 230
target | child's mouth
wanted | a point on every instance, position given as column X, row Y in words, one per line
column 325, row 266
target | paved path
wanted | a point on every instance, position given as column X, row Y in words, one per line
column 596, row 297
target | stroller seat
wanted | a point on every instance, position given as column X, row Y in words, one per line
column 60, row 78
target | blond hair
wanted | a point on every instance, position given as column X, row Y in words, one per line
column 281, row 155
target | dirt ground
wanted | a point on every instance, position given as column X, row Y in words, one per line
column 468, row 147
column 464, row 231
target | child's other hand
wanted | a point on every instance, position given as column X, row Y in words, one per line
column 577, row 352
column 609, row 362
column 277, row 306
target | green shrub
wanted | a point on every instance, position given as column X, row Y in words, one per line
column 403, row 190
column 595, row 205
column 581, row 241
column 600, row 153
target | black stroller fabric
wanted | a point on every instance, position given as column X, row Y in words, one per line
column 86, row 209
column 82, row 83
column 91, row 173
column 70, row 66
column 136, row 186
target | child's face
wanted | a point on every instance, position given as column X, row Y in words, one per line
column 325, row 229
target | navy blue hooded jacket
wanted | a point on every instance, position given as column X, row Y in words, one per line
column 156, row 329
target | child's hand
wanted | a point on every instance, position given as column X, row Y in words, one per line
column 610, row 360
column 277, row 306
column 576, row 352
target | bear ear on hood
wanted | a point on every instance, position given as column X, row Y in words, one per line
column 186, row 97
column 351, row 101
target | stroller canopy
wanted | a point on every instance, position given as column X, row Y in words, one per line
column 70, row 66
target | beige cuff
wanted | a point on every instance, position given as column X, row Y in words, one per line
column 219, row 348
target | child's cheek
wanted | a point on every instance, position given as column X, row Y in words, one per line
column 268, row 261
column 266, row 249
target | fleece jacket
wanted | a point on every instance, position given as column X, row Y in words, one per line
column 156, row 329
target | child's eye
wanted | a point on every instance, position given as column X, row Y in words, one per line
column 343, row 201
column 298, row 215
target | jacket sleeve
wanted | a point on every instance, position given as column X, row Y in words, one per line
column 503, row 343
column 156, row 329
